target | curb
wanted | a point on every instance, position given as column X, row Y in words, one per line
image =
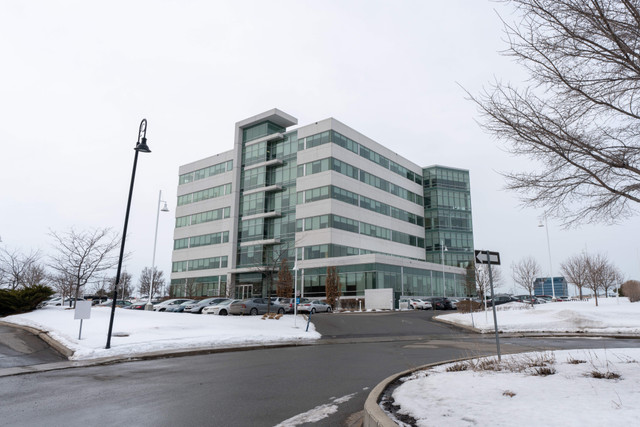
column 374, row 416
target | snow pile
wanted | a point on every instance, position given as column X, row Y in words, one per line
column 612, row 316
column 137, row 332
column 570, row 396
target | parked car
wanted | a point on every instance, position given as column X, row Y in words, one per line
column 50, row 301
column 286, row 303
column 313, row 306
column 440, row 303
column 59, row 302
column 119, row 303
column 253, row 306
column 197, row 308
column 138, row 305
column 222, row 308
column 454, row 302
column 164, row 304
column 418, row 304
column 499, row 300
column 180, row 307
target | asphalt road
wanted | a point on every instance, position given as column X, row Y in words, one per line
column 255, row 388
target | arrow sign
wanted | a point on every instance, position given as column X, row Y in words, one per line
column 487, row 257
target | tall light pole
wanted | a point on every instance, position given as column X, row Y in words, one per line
column 444, row 285
column 553, row 287
column 141, row 147
column 149, row 306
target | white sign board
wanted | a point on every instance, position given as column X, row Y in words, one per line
column 83, row 310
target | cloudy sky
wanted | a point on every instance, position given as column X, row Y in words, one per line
column 78, row 77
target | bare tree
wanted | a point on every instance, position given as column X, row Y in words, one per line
column 285, row 280
column 333, row 288
column 482, row 279
column 19, row 270
column 575, row 271
column 84, row 254
column 577, row 119
column 470, row 280
column 597, row 266
column 125, row 285
column 613, row 278
column 524, row 274
column 148, row 280
column 62, row 284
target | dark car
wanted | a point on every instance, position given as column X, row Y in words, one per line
column 500, row 299
column 140, row 305
column 440, row 303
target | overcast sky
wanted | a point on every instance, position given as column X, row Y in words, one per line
column 78, row 77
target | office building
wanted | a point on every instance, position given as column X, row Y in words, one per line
column 328, row 196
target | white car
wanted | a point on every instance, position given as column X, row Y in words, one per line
column 415, row 304
column 221, row 308
column 169, row 303
column 427, row 305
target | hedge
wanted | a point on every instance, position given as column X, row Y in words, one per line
column 14, row 301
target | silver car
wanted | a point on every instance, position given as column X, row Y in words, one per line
column 314, row 306
column 254, row 306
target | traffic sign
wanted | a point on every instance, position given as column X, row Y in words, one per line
column 487, row 257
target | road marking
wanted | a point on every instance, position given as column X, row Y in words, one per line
column 316, row 414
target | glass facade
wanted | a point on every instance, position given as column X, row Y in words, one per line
column 543, row 286
column 278, row 228
column 403, row 280
column 447, row 216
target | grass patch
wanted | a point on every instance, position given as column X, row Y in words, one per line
column 544, row 371
column 458, row 367
column 574, row 361
column 508, row 393
column 603, row 375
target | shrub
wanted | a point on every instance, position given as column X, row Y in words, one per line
column 14, row 301
column 631, row 290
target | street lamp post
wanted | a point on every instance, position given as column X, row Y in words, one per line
column 553, row 287
column 149, row 306
column 141, row 147
column 444, row 284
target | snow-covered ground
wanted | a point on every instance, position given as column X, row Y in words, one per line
column 514, row 395
column 569, row 397
column 137, row 332
column 612, row 316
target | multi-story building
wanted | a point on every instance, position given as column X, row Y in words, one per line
column 543, row 286
column 327, row 196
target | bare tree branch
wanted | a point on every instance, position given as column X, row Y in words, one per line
column 82, row 255
column 577, row 120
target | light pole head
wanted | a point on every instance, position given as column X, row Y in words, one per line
column 141, row 145
column 165, row 208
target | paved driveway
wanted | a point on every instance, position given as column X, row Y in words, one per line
column 21, row 348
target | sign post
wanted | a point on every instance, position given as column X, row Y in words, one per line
column 486, row 257
column 83, row 311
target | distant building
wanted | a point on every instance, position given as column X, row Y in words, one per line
column 543, row 286
column 326, row 195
